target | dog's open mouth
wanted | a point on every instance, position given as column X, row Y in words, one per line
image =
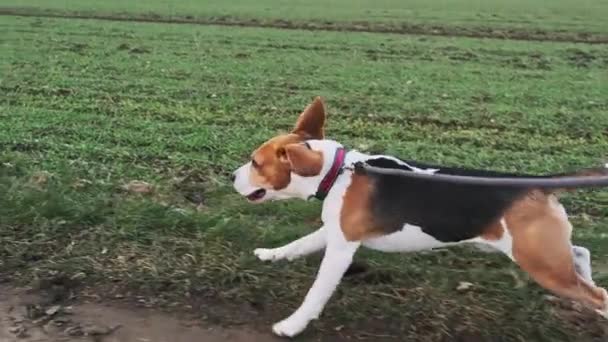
column 256, row 195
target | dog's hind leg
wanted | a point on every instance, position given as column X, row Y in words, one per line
column 541, row 246
column 301, row 247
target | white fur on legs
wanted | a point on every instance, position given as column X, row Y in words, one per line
column 303, row 246
column 582, row 262
column 338, row 256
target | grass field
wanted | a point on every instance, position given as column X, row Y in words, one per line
column 87, row 106
column 559, row 20
column 563, row 15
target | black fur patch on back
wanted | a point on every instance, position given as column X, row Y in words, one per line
column 448, row 212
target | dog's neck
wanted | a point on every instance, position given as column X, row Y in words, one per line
column 330, row 177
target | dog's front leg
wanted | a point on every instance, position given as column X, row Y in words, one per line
column 338, row 256
column 308, row 244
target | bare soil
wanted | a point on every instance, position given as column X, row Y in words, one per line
column 29, row 317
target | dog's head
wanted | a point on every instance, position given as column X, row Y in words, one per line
column 289, row 165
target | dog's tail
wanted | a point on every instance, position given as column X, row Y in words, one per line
column 592, row 172
column 584, row 173
column 595, row 177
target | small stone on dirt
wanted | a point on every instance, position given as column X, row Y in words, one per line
column 138, row 187
column 40, row 320
column 74, row 331
column 52, row 310
column 51, row 328
column 61, row 321
column 96, row 330
column 14, row 330
column 19, row 331
column 463, row 286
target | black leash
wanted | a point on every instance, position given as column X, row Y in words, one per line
column 557, row 182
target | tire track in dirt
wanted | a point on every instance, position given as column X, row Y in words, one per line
column 362, row 26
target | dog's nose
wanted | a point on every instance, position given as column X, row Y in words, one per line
column 233, row 177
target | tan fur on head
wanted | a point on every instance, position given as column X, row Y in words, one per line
column 302, row 160
column 273, row 162
column 268, row 170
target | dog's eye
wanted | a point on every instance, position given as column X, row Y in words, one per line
column 254, row 163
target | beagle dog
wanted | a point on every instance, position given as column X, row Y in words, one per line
column 401, row 214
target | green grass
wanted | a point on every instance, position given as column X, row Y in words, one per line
column 98, row 103
column 560, row 20
column 586, row 15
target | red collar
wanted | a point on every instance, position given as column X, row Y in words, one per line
column 333, row 173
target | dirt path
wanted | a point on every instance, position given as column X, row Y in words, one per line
column 25, row 318
column 311, row 25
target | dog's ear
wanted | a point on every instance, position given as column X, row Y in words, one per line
column 311, row 121
column 302, row 160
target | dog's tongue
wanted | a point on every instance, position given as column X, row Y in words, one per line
column 256, row 195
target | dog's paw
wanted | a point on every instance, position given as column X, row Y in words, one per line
column 268, row 254
column 289, row 327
